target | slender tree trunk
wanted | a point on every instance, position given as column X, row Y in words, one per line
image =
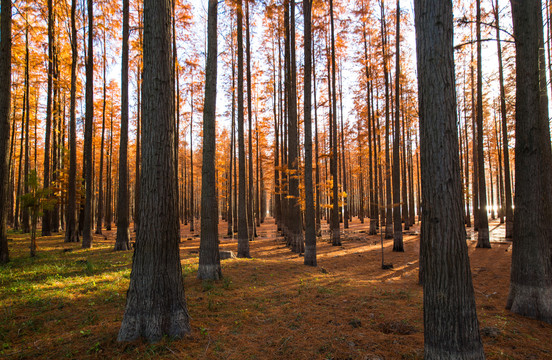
column 231, row 213
column 209, row 258
column 397, row 224
column 137, row 161
column 483, row 223
column 505, row 149
column 71, row 231
column 250, row 202
column 243, row 237
column 310, row 223
column 335, row 227
column 123, row 236
column 46, row 231
column 318, row 214
column 531, row 272
column 99, row 216
column 89, row 124
column 5, row 104
column 451, row 329
column 25, row 218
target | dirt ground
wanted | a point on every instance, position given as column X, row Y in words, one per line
column 69, row 304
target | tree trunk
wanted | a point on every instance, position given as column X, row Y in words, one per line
column 123, row 236
column 310, row 223
column 505, row 149
column 100, row 210
column 243, row 237
column 46, row 213
column 25, row 218
column 5, row 104
column 335, row 227
column 295, row 230
column 71, row 231
column 250, row 200
column 451, row 329
column 156, row 305
column 397, row 219
column 88, row 136
column 483, row 221
column 209, row 258
column 531, row 272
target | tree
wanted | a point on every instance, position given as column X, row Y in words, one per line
column 46, row 231
column 451, row 329
column 156, row 305
column 310, row 226
column 531, row 271
column 71, row 231
column 123, row 237
column 243, row 237
column 335, row 227
column 88, row 127
column 209, row 258
column 397, row 225
column 5, row 104
column 483, row 221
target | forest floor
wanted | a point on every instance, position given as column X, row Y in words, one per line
column 69, row 304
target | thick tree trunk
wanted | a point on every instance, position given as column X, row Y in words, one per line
column 451, row 329
column 310, row 223
column 209, row 258
column 88, row 125
column 531, row 272
column 397, row 219
column 123, row 236
column 5, row 103
column 156, row 305
column 71, row 231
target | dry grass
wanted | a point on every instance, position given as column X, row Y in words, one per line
column 70, row 304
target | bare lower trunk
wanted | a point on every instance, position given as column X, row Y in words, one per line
column 451, row 329
column 156, row 304
column 209, row 258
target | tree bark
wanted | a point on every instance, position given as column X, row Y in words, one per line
column 88, row 125
column 209, row 257
column 335, row 227
column 483, row 221
column 243, row 237
column 310, row 224
column 71, row 230
column 46, row 213
column 531, row 272
column 5, row 104
column 123, row 236
column 451, row 329
column 156, row 304
column 397, row 219
column 509, row 213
